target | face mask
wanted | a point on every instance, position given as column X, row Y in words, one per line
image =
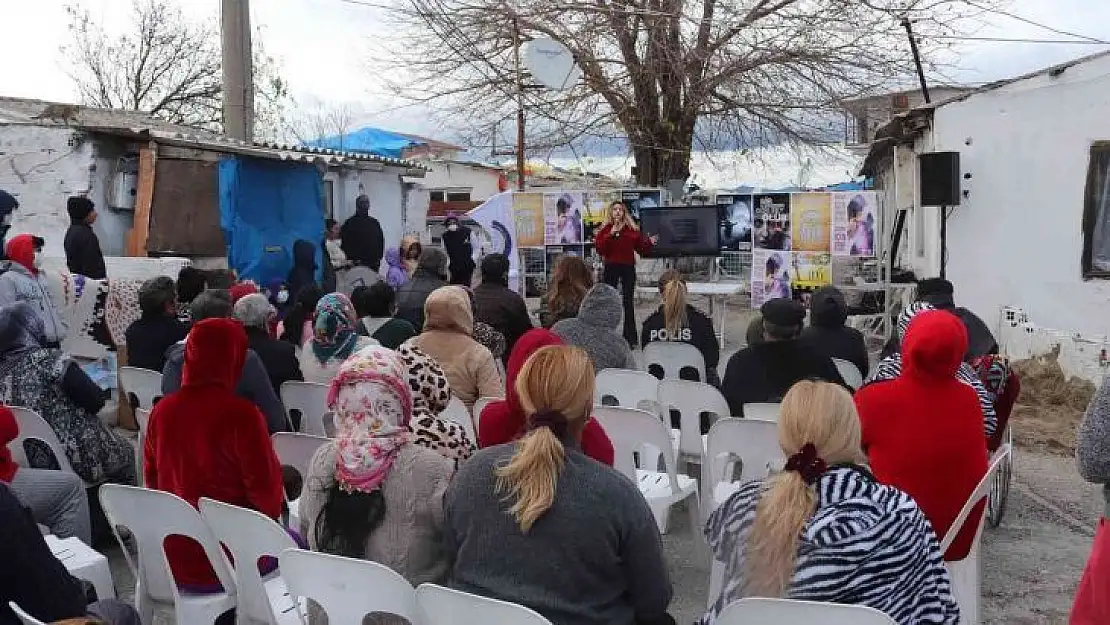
column 282, row 296
column 38, row 260
column 453, row 227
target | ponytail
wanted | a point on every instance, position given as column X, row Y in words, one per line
column 780, row 516
column 530, row 477
column 674, row 307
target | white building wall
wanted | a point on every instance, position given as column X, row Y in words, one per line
column 482, row 182
column 42, row 167
column 386, row 193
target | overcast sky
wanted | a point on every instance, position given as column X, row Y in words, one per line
column 322, row 47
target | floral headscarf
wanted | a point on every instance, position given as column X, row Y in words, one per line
column 334, row 333
column 372, row 405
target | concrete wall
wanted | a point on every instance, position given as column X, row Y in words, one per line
column 481, row 181
column 42, row 167
column 387, row 199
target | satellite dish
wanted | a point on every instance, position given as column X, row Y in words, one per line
column 551, row 63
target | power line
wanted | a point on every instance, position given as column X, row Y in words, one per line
column 1037, row 24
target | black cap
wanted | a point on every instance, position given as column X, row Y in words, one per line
column 783, row 312
column 937, row 291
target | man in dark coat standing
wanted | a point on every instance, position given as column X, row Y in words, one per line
column 8, row 204
column 764, row 372
column 363, row 240
column 459, row 250
column 83, row 255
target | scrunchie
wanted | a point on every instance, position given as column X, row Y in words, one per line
column 551, row 419
column 807, row 463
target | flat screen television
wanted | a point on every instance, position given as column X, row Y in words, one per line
column 683, row 230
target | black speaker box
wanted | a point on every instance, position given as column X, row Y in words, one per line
column 939, row 178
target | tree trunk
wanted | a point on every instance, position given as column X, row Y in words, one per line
column 657, row 166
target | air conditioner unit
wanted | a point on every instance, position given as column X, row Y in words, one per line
column 124, row 184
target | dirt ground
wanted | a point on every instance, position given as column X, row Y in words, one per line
column 1050, row 406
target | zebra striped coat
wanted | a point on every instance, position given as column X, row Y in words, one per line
column 866, row 544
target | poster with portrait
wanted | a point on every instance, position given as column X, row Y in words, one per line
column 811, row 222
column 562, row 216
column 771, row 275
column 528, row 219
column 809, row 271
column 596, row 212
column 640, row 199
column 734, row 214
column 855, row 223
column 771, row 221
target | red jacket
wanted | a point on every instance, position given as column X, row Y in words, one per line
column 206, row 441
column 9, row 429
column 923, row 431
column 622, row 248
column 503, row 421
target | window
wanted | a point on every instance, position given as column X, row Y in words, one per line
column 458, row 196
column 329, row 199
column 435, row 196
column 1096, row 214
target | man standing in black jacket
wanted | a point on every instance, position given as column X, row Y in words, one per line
column 8, row 204
column 363, row 240
column 83, row 255
column 459, row 250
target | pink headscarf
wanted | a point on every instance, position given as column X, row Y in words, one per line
column 372, row 404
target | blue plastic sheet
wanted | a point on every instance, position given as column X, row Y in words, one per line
column 265, row 206
column 367, row 140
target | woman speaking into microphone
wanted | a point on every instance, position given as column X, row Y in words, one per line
column 618, row 242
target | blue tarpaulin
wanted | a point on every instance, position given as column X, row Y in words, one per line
column 265, row 206
column 368, row 140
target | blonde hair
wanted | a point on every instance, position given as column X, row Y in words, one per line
column 820, row 413
column 558, row 378
column 673, row 287
column 628, row 221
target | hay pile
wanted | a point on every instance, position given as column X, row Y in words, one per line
column 1051, row 405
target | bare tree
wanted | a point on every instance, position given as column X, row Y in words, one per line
column 165, row 65
column 318, row 121
column 668, row 76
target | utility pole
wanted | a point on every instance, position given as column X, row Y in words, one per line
column 238, row 69
column 916, row 59
column 520, row 182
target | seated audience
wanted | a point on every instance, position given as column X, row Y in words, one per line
column 21, row 280
column 923, row 431
column 279, row 357
column 490, row 339
column 411, row 249
column 252, row 383
column 205, row 440
column 334, row 338
column 940, row 294
column 498, row 305
column 55, row 499
column 570, row 280
column 1092, row 453
column 157, row 328
column 538, row 523
column 448, row 338
column 241, row 289
column 48, row 381
column 676, row 320
column 296, row 325
column 597, row 329
column 828, row 312
column 1003, row 386
column 370, row 492
column 374, row 307
column 430, row 274
column 824, row 529
column 397, row 274
column 431, row 392
column 890, row 368
column 753, row 334
column 220, row 279
column 764, row 372
column 190, row 284
column 503, row 421
column 38, row 582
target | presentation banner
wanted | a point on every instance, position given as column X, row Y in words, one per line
column 811, row 222
column 528, row 218
column 855, row 222
column 771, row 224
column 495, row 216
column 562, row 217
column 734, row 213
column 771, row 275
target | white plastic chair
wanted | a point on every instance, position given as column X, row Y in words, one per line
column 34, row 427
column 142, row 418
column 145, row 384
column 630, row 429
column 480, row 405
column 152, row 515
column 311, row 400
column 83, row 562
column 456, row 411
column 348, row 589
column 631, row 389
column 763, row 411
column 754, row 442
column 446, row 606
column 250, row 535
column 966, row 574
column 690, row 400
column 760, row 611
column 296, row 450
column 22, row 615
column 672, row 357
column 849, row 372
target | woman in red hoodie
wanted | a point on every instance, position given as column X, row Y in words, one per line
column 923, row 431
column 617, row 243
column 206, row 441
column 503, row 421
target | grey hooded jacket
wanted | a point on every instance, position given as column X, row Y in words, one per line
column 596, row 329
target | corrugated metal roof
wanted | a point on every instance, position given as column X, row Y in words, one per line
column 139, row 125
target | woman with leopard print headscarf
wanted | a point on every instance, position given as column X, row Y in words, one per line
column 431, row 393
